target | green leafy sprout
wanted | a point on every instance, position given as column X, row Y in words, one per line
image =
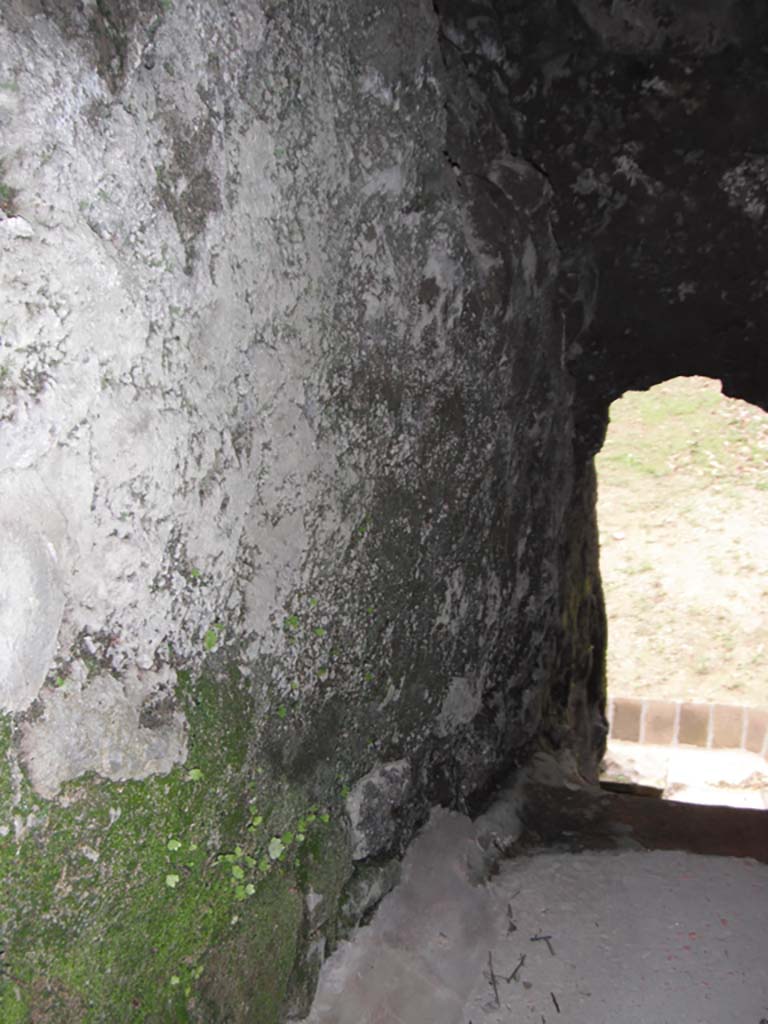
column 8, row 196
column 276, row 848
column 212, row 636
column 247, row 865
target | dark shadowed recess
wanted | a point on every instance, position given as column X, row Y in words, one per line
column 648, row 119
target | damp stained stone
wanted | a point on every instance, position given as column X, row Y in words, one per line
column 317, row 320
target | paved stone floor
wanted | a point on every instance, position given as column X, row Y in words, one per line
column 584, row 922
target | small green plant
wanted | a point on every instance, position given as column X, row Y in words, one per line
column 8, row 196
column 212, row 636
column 249, row 863
column 239, row 862
column 276, row 848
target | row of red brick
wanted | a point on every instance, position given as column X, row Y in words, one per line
column 701, row 725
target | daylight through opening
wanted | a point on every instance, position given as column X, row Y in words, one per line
column 683, row 515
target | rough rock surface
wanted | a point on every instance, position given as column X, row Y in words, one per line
column 646, row 116
column 127, row 728
column 373, row 807
column 311, row 313
column 269, row 313
column 285, row 479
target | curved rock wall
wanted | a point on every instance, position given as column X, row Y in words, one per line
column 286, row 486
column 311, row 316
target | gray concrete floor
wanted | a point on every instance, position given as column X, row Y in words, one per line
column 622, row 936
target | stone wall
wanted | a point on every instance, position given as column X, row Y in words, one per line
column 294, row 543
column 311, row 315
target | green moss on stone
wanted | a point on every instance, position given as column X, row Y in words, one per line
column 247, row 975
column 115, row 904
column 13, row 1008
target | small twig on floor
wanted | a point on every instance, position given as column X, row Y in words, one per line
column 492, row 978
column 511, row 926
column 544, row 938
column 554, row 1000
column 513, row 975
column 515, row 893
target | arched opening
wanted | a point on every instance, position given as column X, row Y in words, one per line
column 683, row 517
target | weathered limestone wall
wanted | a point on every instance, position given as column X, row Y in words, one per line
column 286, row 481
column 310, row 317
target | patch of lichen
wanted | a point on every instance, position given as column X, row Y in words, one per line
column 113, row 897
